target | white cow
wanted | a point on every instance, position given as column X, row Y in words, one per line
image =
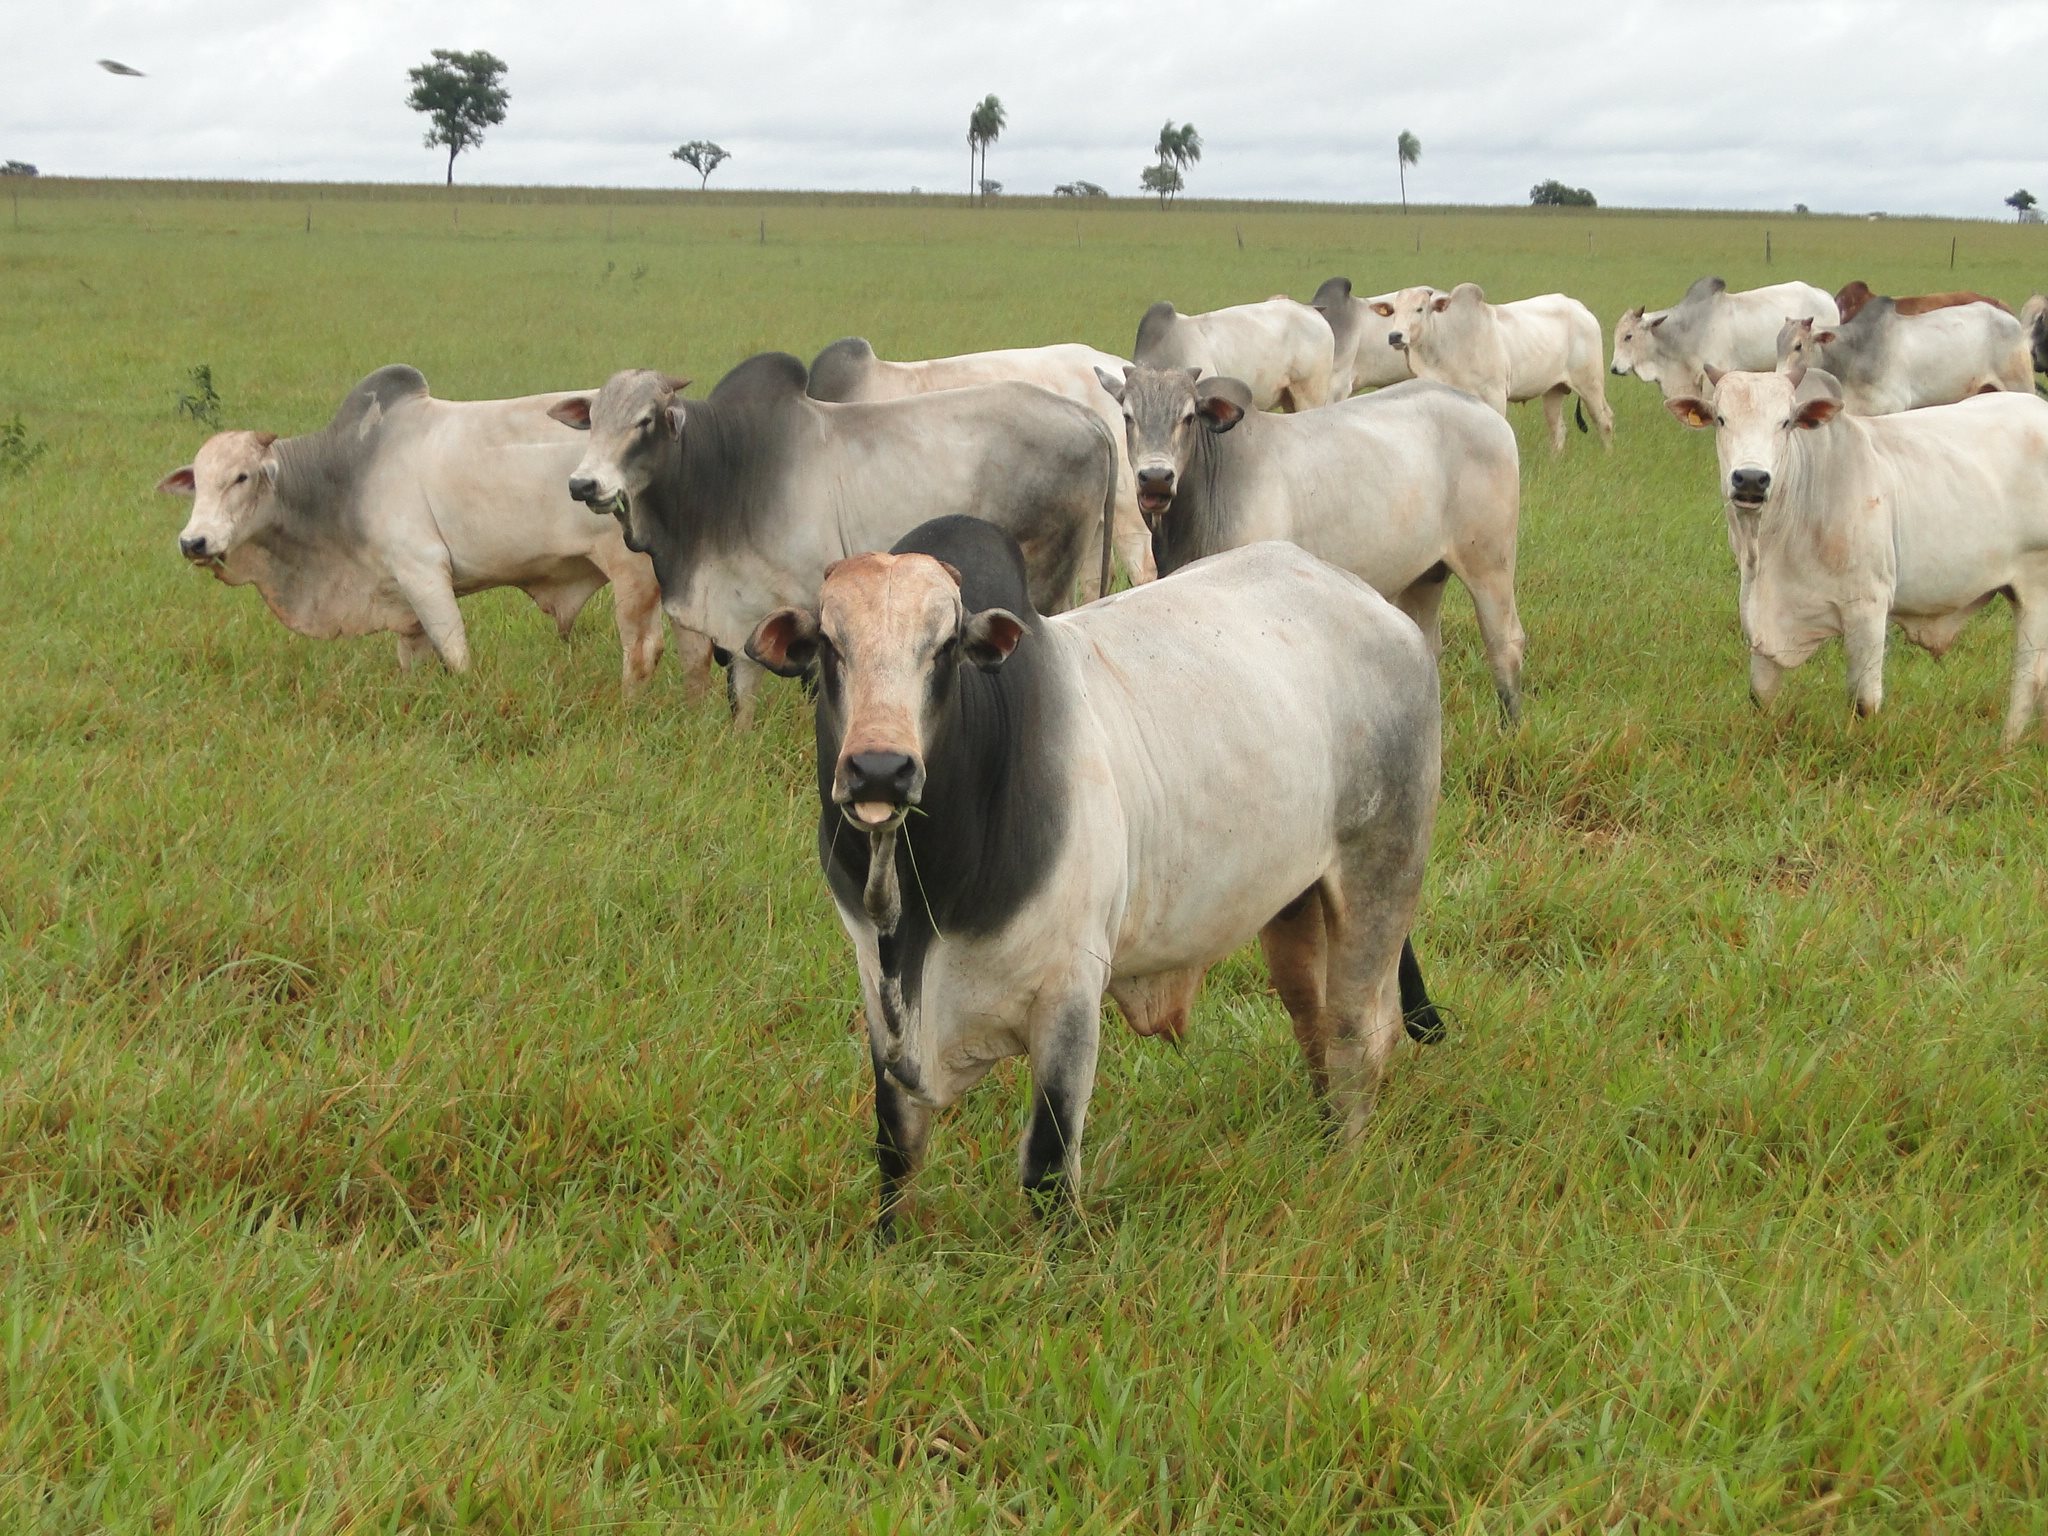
column 1712, row 328
column 403, row 503
column 1920, row 518
column 1018, row 814
column 849, row 370
column 1283, row 351
column 1887, row 361
column 1361, row 327
column 1542, row 348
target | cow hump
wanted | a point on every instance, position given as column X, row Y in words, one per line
column 369, row 402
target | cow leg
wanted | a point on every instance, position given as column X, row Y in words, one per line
column 1500, row 629
column 742, row 681
column 1863, row 636
column 1364, row 999
column 2029, row 666
column 1765, row 678
column 1296, row 956
column 413, row 649
column 636, row 613
column 1064, row 1037
column 1593, row 394
column 694, row 656
column 1423, row 601
column 1553, row 416
column 430, row 589
column 903, row 1129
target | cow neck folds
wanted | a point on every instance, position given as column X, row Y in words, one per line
column 717, row 489
column 1197, row 523
column 316, row 534
column 1824, row 469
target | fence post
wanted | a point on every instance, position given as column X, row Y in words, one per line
column 1951, row 253
column 1767, row 247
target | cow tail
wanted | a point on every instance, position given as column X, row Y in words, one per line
column 1424, row 1023
column 1579, row 412
column 1108, row 503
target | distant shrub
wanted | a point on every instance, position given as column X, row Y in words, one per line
column 18, row 168
column 201, row 401
column 1079, row 189
column 1555, row 194
column 17, row 449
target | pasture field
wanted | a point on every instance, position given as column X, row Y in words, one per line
column 434, row 1103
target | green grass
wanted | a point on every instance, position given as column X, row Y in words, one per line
column 434, row 1103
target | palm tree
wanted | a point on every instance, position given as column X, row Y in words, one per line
column 1178, row 148
column 1407, row 151
column 984, row 126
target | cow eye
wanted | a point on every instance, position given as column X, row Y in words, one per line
column 646, row 423
column 244, row 475
column 1720, row 421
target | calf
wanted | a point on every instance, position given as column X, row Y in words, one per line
column 1403, row 488
column 1017, row 814
column 1919, row 518
column 1541, row 348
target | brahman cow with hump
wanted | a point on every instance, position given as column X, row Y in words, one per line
column 1887, row 361
column 1542, row 348
column 1851, row 297
column 1403, row 488
column 402, row 504
column 1920, row 518
column 744, row 498
column 849, row 370
column 1712, row 328
column 1360, row 327
column 1017, row 814
column 1283, row 351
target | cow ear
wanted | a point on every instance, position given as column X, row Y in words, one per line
column 1816, row 413
column 1440, row 303
column 1658, row 321
column 674, row 417
column 1222, row 403
column 786, row 642
column 1823, row 338
column 1112, row 383
column 1384, row 311
column 1714, row 375
column 179, row 482
column 951, row 570
column 572, row 412
column 988, row 637
column 268, row 470
column 1691, row 413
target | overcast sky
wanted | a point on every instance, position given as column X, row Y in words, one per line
column 1927, row 107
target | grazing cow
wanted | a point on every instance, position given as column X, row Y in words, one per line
column 1017, row 814
column 1887, row 362
column 1402, row 488
column 1285, row 352
column 1920, row 518
column 1542, row 348
column 1712, row 328
column 1360, row 326
column 1851, row 297
column 404, row 503
column 744, row 498
column 2034, row 320
column 849, row 370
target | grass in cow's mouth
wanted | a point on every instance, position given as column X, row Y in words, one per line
column 435, row 1102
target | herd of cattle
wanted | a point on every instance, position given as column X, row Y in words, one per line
column 1110, row 799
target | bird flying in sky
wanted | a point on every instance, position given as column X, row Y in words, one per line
column 116, row 67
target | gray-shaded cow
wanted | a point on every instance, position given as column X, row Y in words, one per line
column 848, row 370
column 1712, row 328
column 404, row 503
column 1017, row 814
column 1887, row 361
column 1918, row 518
column 1403, row 488
column 2034, row 319
column 1283, row 351
column 1361, row 327
column 1543, row 348
column 742, row 499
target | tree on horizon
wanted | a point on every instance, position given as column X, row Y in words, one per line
column 2020, row 202
column 1407, row 152
column 462, row 94
column 985, row 124
column 1177, row 149
column 701, row 156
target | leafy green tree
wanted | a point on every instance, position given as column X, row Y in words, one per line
column 701, row 156
column 462, row 94
column 1555, row 194
column 1407, row 152
column 1177, row 149
column 18, row 168
column 1163, row 179
column 2020, row 202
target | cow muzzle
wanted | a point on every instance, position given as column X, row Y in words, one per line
column 875, row 790
column 1155, row 488
column 196, row 548
column 1749, row 488
column 588, row 490
column 1398, row 340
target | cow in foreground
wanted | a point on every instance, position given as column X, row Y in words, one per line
column 849, row 370
column 742, row 499
column 1283, row 351
column 1403, row 488
column 1712, row 328
column 404, row 503
column 1542, row 348
column 1887, row 361
column 1360, row 327
column 1919, row 518
column 1017, row 814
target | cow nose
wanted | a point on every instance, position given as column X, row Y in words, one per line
column 1615, row 370
column 194, row 547
column 1750, row 484
column 1155, row 477
column 582, row 488
column 1396, row 339
column 886, row 776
